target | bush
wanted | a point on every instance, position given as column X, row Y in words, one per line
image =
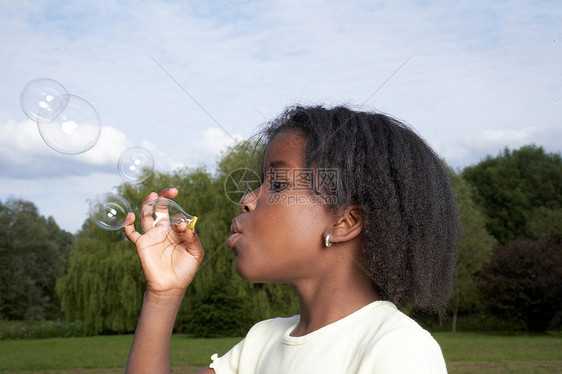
column 220, row 312
column 522, row 283
column 42, row 329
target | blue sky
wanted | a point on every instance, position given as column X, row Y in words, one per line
column 482, row 76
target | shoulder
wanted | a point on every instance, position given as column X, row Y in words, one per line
column 408, row 351
column 248, row 351
column 400, row 345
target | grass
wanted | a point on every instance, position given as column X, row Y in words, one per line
column 494, row 347
column 99, row 352
column 474, row 353
column 43, row 329
column 481, row 353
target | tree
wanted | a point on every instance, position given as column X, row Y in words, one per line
column 544, row 222
column 33, row 254
column 104, row 285
column 522, row 283
column 475, row 249
column 513, row 184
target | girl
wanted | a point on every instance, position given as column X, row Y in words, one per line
column 357, row 214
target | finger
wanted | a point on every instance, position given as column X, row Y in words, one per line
column 179, row 223
column 161, row 208
column 151, row 197
column 147, row 221
column 129, row 219
column 130, row 231
column 169, row 193
column 161, row 215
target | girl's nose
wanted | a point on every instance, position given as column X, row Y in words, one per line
column 248, row 202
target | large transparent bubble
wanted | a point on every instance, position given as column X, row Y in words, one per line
column 43, row 99
column 74, row 130
column 136, row 164
column 163, row 216
column 109, row 211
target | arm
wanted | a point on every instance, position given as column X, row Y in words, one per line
column 150, row 351
column 169, row 264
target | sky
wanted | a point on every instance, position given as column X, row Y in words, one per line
column 186, row 79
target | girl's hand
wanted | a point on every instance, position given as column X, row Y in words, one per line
column 169, row 262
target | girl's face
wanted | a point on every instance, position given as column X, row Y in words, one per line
column 279, row 236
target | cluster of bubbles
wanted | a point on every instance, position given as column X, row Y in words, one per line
column 71, row 125
column 67, row 123
column 111, row 211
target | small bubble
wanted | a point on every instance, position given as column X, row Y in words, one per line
column 109, row 211
column 43, row 99
column 136, row 164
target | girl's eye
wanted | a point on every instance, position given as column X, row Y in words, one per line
column 278, row 186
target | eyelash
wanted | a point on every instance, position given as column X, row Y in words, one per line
column 278, row 186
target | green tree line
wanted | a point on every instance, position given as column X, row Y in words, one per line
column 34, row 252
column 511, row 203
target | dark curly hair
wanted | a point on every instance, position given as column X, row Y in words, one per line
column 411, row 220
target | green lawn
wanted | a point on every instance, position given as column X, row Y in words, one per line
column 480, row 353
column 99, row 352
column 464, row 353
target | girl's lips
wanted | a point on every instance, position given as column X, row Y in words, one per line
column 232, row 239
column 235, row 231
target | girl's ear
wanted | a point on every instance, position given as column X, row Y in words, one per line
column 348, row 225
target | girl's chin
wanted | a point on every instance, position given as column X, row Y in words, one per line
column 245, row 273
column 251, row 276
column 248, row 274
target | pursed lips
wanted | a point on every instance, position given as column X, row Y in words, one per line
column 235, row 234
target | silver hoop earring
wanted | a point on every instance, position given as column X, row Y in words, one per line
column 327, row 242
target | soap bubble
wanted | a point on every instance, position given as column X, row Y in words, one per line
column 43, row 99
column 161, row 215
column 109, row 211
column 75, row 130
column 135, row 164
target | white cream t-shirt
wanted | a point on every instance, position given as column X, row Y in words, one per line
column 377, row 338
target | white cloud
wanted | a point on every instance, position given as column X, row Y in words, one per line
column 464, row 152
column 207, row 149
column 217, row 140
column 111, row 144
column 23, row 154
column 21, row 141
column 162, row 162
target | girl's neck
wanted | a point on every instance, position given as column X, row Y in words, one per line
column 324, row 301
